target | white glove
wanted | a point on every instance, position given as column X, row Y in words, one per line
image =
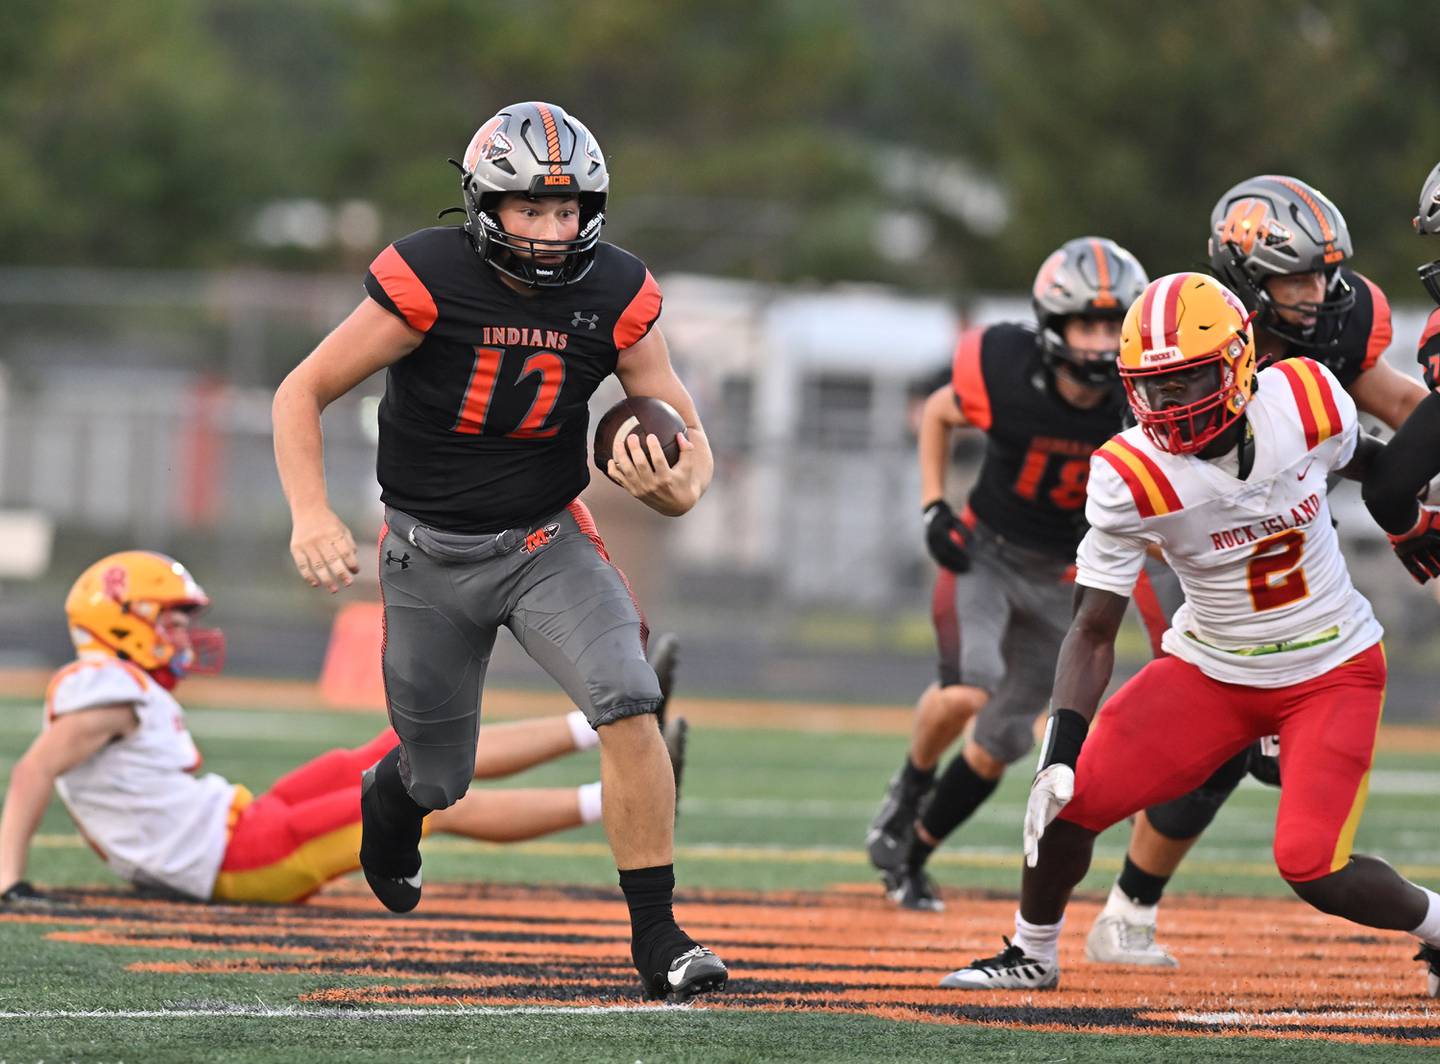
column 1052, row 790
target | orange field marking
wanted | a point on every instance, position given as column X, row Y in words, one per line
column 1269, row 968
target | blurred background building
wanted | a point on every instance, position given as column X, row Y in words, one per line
column 827, row 191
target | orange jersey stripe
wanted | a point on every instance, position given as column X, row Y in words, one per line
column 1432, row 328
column 968, row 380
column 1381, row 331
column 1318, row 413
column 409, row 294
column 640, row 316
column 1153, row 493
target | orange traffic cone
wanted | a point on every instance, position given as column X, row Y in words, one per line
column 351, row 675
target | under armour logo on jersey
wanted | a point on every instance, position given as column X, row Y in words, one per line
column 403, row 561
column 589, row 322
column 541, row 537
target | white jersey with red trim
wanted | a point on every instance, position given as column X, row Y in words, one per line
column 1268, row 598
column 137, row 799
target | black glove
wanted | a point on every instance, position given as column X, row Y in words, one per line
column 946, row 537
column 23, row 894
column 1419, row 548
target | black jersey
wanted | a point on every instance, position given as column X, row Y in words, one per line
column 1367, row 334
column 1037, row 450
column 1428, row 354
column 484, row 425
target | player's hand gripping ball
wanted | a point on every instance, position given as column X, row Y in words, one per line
column 638, row 416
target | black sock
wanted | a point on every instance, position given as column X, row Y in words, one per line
column 393, row 849
column 958, row 794
column 1139, row 885
column 918, row 853
column 916, row 780
column 655, row 938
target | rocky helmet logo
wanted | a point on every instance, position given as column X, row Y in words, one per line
column 1161, row 356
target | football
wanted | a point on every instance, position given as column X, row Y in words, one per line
column 639, row 416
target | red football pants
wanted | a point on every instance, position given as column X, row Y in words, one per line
column 302, row 832
column 1167, row 729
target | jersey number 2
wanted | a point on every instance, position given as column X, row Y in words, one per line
column 1275, row 576
column 484, row 380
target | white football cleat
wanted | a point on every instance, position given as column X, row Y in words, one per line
column 1431, row 956
column 1007, row 970
column 1115, row 940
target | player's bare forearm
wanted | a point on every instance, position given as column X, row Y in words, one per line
column 938, row 417
column 1403, row 468
column 299, row 446
column 1383, row 391
column 25, row 803
column 1087, row 656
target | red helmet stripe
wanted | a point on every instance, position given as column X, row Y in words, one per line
column 1159, row 314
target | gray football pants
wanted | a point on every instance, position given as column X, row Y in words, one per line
column 446, row 596
column 999, row 627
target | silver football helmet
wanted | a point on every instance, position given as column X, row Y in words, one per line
column 1270, row 226
column 1089, row 276
column 1427, row 223
column 538, row 150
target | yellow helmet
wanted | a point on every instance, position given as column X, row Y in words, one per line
column 116, row 607
column 1188, row 360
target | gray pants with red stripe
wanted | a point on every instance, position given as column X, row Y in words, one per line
column 446, row 596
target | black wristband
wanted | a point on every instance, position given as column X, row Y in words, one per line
column 1064, row 736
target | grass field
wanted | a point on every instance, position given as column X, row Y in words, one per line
column 768, row 811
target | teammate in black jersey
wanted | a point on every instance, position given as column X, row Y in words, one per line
column 1413, row 457
column 493, row 336
column 1045, row 399
column 1284, row 248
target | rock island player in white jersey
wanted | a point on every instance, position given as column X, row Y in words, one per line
column 117, row 749
column 1225, row 473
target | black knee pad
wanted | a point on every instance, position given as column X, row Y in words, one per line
column 1190, row 814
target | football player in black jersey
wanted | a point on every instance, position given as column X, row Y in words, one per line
column 1045, row 397
column 493, row 336
column 1284, row 248
column 1413, row 458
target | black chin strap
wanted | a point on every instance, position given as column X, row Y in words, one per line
column 1246, row 448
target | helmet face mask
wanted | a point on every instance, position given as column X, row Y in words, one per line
column 1187, row 361
column 537, row 150
column 1089, row 277
column 1276, row 226
column 1427, row 223
column 138, row 606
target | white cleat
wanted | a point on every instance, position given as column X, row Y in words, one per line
column 1007, row 970
column 1431, row 956
column 1115, row 940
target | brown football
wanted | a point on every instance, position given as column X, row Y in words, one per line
column 638, row 416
